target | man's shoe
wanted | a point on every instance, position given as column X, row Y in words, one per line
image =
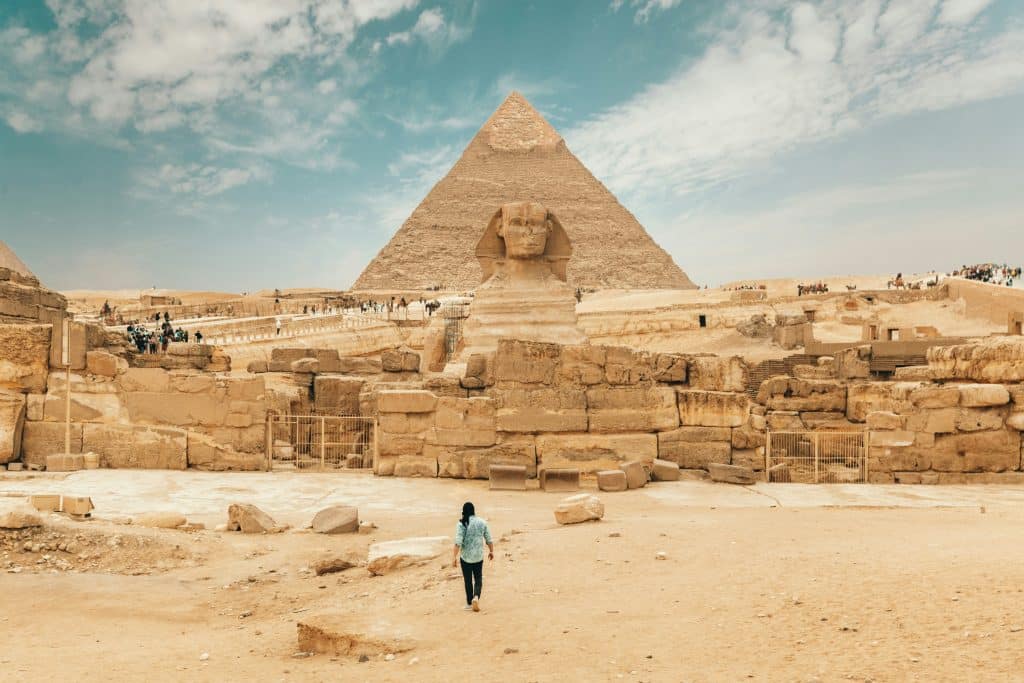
column 476, row 604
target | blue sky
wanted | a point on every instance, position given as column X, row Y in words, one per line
column 245, row 144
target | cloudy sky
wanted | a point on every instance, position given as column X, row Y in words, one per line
column 244, row 144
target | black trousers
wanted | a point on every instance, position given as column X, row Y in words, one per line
column 473, row 576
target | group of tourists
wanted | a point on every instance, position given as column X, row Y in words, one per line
column 157, row 340
column 818, row 287
column 989, row 272
column 745, row 287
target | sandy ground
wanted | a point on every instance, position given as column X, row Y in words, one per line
column 772, row 583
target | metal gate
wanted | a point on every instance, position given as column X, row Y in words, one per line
column 320, row 442
column 817, row 457
column 454, row 315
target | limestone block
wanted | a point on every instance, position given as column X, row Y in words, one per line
column 406, row 401
column 400, row 360
column 238, row 420
column 713, row 373
column 400, row 444
column 40, row 439
column 882, row 419
column 560, row 479
column 994, row 451
column 556, row 409
column 632, row 408
column 1016, row 421
column 177, row 409
column 747, row 437
column 478, row 368
column 788, row 393
column 664, row 470
column 583, row 364
column 406, row 423
column 246, row 388
column 934, row 421
column 65, row 463
column 712, row 408
column 384, row 466
column 757, row 422
column 584, row 507
column 159, row 520
column 826, row 421
column 994, row 360
column 18, row 515
column 249, row 519
column 477, row 461
column 76, row 505
column 85, row 407
column 892, row 438
column 975, row 420
column 980, row 395
column 935, row 396
column 636, row 474
column 507, row 477
column 12, row 420
column 626, row 366
column 464, row 422
column 104, row 364
column 892, row 397
column 153, row 380
column 359, row 366
column 669, row 367
column 191, row 382
column 243, row 440
column 305, row 366
column 694, row 454
column 206, row 453
column 258, row 366
column 914, row 373
column 337, row 519
column 441, row 385
column 24, row 357
column 525, row 362
column 813, row 372
column 45, row 502
column 751, row 458
column 416, row 466
column 34, row 407
column 731, row 474
column 592, row 452
column 611, row 480
column 388, row 556
column 137, row 446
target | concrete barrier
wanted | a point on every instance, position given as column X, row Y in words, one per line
column 560, row 479
column 507, row 477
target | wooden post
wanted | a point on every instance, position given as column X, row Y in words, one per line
column 268, row 435
column 816, row 449
column 67, row 412
column 323, row 422
column 767, row 454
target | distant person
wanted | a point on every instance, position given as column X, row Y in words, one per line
column 470, row 535
column 199, row 337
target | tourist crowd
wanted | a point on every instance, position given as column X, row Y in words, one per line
column 157, row 340
column 818, row 287
column 989, row 272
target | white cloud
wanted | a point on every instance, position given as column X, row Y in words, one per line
column 416, row 124
column 433, row 29
column 23, row 123
column 644, row 8
column 326, row 87
column 771, row 80
column 199, row 180
column 960, row 12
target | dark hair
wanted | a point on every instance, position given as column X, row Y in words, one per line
column 467, row 511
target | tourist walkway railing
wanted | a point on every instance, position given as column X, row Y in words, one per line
column 808, row 457
column 320, row 442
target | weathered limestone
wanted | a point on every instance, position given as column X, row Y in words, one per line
column 12, row 420
column 584, row 507
column 537, row 410
column 636, row 475
column 206, row 453
column 788, row 393
column 995, row 360
column 507, row 477
column 664, row 470
column 711, row 408
column 337, row 393
column 104, row 364
column 137, row 446
column 249, row 519
column 18, row 515
column 337, row 519
column 731, row 474
column 464, row 422
column 592, row 452
column 560, row 479
column 400, row 360
column 611, row 480
column 415, row 466
column 711, row 373
column 695, row 447
column 639, row 408
column 388, row 556
column 980, row 395
column 41, row 439
column 65, row 463
column 406, row 401
column 336, row 636
column 24, row 357
column 159, row 520
column 475, row 463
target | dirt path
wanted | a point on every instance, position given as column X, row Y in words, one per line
column 746, row 593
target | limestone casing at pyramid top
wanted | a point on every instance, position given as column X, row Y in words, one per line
column 10, row 260
column 516, row 126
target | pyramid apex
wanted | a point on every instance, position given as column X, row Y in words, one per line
column 515, row 126
column 10, row 260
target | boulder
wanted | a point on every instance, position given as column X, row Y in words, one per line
column 731, row 474
column 636, row 474
column 579, row 508
column 330, row 565
column 337, row 636
column 19, row 515
column 337, row 519
column 611, row 480
column 664, row 470
column 249, row 519
column 389, row 556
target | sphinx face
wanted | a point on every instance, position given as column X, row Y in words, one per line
column 525, row 229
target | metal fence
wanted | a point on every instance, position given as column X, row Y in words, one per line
column 817, row 457
column 320, row 442
column 454, row 315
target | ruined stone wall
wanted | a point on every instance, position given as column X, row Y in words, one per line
column 984, row 300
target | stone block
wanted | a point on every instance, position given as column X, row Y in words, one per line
column 406, row 401
column 388, row 556
column 148, row 380
column 34, row 407
column 476, row 462
column 24, row 357
column 560, row 479
column 384, row 465
column 12, row 421
column 507, row 477
column 206, row 453
column 631, row 409
column 669, row 367
column 893, row 397
column 893, row 438
column 137, row 446
column 104, row 364
column 712, row 408
column 714, row 373
column 415, row 466
column 584, row 507
column 238, row 420
column 45, row 502
column 682, row 447
column 935, row 396
column 258, row 366
column 305, row 366
column 981, row 395
column 611, row 480
column 664, row 470
column 400, row 444
column 994, row 360
column 77, row 505
column 40, row 439
column 636, row 474
column 337, row 519
column 91, row 461
column 406, row 423
column 249, row 519
column 731, row 474
column 751, row 458
column 65, row 463
column 788, row 393
column 993, row 451
column 882, row 419
column 526, row 410
column 400, row 360
column 747, row 437
column 976, row 420
column 525, row 362
column 784, row 421
column 624, row 365
column 584, row 365
column 1016, row 421
column 592, row 452
column 176, row 409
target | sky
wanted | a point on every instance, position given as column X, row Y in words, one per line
column 237, row 145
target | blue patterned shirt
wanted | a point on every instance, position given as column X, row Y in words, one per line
column 471, row 539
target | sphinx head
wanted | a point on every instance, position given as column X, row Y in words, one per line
column 525, row 227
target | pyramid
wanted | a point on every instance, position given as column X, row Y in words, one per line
column 10, row 260
column 517, row 155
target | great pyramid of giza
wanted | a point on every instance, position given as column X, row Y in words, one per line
column 516, row 156
column 10, row 260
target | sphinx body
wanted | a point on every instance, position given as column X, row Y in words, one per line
column 524, row 295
